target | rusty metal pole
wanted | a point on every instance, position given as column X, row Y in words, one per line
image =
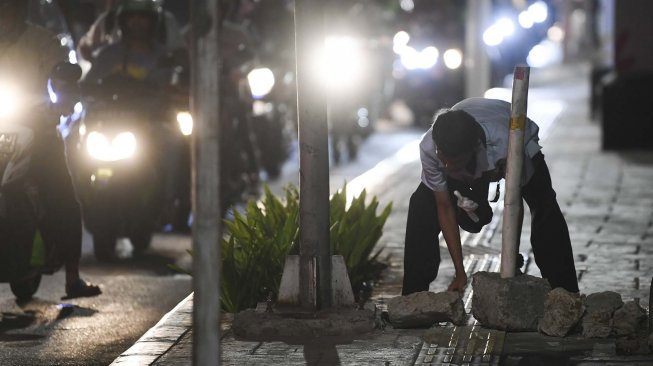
column 514, row 166
column 205, row 109
column 315, row 249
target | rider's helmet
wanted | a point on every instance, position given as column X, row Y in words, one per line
column 143, row 9
column 13, row 17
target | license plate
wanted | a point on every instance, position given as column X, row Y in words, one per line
column 7, row 143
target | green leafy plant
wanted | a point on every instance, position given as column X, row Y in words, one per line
column 257, row 241
column 254, row 251
column 355, row 230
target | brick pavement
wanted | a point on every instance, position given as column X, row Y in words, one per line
column 607, row 199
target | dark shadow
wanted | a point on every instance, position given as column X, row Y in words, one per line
column 156, row 263
column 70, row 310
column 321, row 354
column 14, row 321
column 535, row 360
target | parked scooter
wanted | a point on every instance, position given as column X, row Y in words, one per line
column 23, row 255
column 124, row 147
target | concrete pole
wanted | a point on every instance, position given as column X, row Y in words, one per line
column 205, row 101
column 313, row 158
column 477, row 62
column 514, row 167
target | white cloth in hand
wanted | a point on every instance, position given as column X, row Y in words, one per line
column 467, row 205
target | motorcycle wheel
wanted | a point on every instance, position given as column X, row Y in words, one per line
column 140, row 239
column 104, row 246
column 26, row 288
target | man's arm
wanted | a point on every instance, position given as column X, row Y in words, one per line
column 449, row 226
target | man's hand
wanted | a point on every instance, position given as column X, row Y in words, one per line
column 467, row 205
column 458, row 283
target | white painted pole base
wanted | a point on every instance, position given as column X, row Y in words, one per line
column 341, row 292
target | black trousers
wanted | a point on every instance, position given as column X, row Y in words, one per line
column 61, row 224
column 549, row 233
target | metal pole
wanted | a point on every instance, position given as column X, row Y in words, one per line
column 205, row 108
column 514, row 165
column 477, row 62
column 313, row 157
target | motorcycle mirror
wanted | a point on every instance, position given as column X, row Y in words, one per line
column 67, row 72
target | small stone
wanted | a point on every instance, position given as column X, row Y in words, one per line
column 597, row 324
column 562, row 310
column 423, row 309
column 629, row 319
column 597, row 321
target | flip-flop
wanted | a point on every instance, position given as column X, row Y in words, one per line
column 81, row 289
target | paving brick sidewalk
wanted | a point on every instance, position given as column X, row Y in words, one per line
column 607, row 199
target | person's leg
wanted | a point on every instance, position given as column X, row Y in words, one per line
column 62, row 222
column 549, row 233
column 421, row 248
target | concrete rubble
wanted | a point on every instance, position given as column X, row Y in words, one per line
column 511, row 304
column 597, row 321
column 562, row 311
column 423, row 309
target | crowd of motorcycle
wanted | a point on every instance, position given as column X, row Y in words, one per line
column 128, row 139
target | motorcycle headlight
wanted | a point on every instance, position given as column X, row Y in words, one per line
column 185, row 121
column 425, row 59
column 261, row 82
column 453, row 58
column 9, row 101
column 123, row 146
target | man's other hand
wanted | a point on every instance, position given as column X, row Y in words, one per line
column 458, row 283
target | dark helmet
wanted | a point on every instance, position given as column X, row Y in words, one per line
column 147, row 8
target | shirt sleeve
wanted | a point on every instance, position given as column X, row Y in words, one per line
column 432, row 169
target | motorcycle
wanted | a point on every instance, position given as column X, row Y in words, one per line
column 24, row 257
column 123, row 147
column 354, row 70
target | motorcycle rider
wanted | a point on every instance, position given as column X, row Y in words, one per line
column 138, row 55
column 106, row 30
column 35, row 57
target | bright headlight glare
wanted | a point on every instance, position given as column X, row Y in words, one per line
column 185, row 121
column 400, row 41
column 453, row 58
column 8, row 100
column 412, row 59
column 342, row 62
column 123, row 146
column 261, row 82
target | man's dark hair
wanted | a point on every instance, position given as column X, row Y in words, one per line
column 455, row 132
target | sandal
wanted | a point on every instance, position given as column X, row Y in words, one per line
column 81, row 289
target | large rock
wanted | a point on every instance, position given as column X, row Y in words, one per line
column 597, row 321
column 423, row 309
column 562, row 311
column 513, row 304
column 629, row 319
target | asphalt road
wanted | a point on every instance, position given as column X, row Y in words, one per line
column 94, row 331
